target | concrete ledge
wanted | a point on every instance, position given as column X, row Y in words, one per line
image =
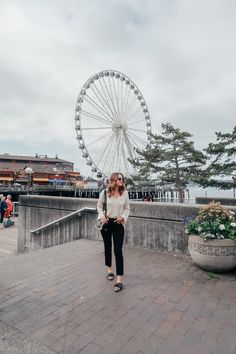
column 223, row 201
column 150, row 225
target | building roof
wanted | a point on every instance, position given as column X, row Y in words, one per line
column 43, row 158
column 37, row 168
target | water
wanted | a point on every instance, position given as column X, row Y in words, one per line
column 195, row 191
column 209, row 192
column 191, row 192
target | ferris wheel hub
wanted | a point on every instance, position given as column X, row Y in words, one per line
column 124, row 126
column 117, row 127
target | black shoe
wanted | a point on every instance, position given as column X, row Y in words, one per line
column 110, row 276
column 118, row 287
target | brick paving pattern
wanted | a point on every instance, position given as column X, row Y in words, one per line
column 59, row 299
column 8, row 240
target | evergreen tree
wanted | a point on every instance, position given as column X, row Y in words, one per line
column 171, row 157
column 221, row 172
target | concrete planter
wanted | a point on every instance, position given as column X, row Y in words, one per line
column 213, row 255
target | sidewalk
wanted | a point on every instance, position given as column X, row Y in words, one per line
column 8, row 240
column 57, row 300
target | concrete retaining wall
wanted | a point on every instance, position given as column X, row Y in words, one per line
column 223, row 201
column 151, row 225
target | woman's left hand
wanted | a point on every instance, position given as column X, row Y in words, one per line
column 119, row 220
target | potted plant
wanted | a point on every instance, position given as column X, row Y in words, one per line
column 212, row 238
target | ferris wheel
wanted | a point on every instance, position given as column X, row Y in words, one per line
column 111, row 120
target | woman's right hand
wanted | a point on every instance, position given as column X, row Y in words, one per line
column 104, row 220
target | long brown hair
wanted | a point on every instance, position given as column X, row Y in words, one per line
column 112, row 184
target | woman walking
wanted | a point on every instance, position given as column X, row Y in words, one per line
column 117, row 201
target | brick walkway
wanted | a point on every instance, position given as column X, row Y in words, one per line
column 8, row 240
column 57, row 300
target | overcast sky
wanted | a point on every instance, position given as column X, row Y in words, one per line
column 180, row 53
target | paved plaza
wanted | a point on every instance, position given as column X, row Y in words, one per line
column 57, row 300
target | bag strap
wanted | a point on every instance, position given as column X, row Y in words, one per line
column 105, row 202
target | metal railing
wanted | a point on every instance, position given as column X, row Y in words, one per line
column 62, row 219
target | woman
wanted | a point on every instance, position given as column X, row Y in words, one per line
column 3, row 208
column 9, row 206
column 115, row 219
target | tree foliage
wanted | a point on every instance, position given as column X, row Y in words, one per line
column 171, row 157
column 221, row 172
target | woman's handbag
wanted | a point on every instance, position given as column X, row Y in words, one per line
column 100, row 226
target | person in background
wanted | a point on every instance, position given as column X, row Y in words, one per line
column 9, row 206
column 3, row 208
column 147, row 199
column 117, row 215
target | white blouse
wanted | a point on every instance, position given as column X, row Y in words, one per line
column 115, row 206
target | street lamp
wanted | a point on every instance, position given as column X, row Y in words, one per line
column 29, row 172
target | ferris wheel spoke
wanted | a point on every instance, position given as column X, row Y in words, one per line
column 105, row 109
column 105, row 99
column 130, row 107
column 119, row 151
column 138, row 130
column 137, row 121
column 95, row 105
column 126, row 100
column 129, row 146
column 109, row 158
column 133, row 115
column 109, row 99
column 96, row 128
column 113, row 149
column 114, row 160
column 112, row 100
column 102, row 137
column 125, row 159
column 110, row 164
column 133, row 142
column 97, row 152
column 116, row 97
column 103, row 151
column 136, row 139
column 121, row 99
column 118, row 148
column 91, row 115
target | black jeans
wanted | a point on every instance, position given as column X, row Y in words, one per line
column 117, row 232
